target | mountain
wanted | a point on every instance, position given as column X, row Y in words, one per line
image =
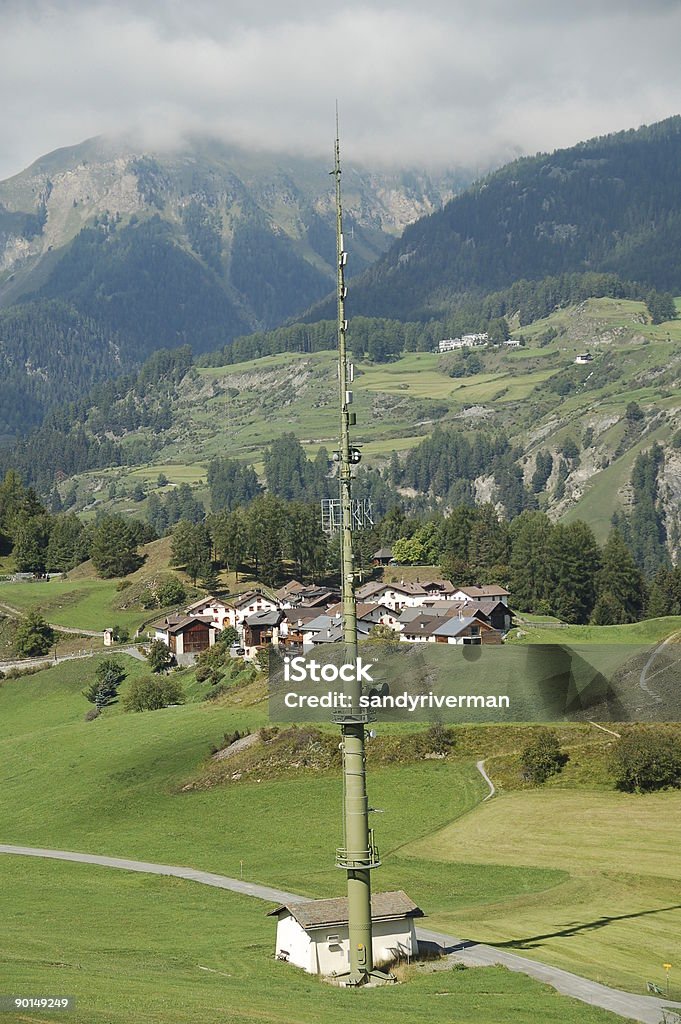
column 108, row 254
column 612, row 204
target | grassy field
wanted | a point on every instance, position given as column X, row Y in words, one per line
column 80, row 603
column 617, row 918
column 649, row 631
column 122, row 785
column 174, row 951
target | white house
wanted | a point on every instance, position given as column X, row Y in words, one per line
column 313, row 934
column 488, row 592
column 584, row 358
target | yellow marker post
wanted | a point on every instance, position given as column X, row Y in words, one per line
column 667, row 968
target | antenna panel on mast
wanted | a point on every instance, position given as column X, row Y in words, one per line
column 332, row 514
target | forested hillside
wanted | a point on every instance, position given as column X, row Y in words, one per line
column 612, row 204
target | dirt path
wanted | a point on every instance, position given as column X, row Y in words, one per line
column 480, row 765
column 645, row 1009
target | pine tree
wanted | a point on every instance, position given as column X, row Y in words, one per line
column 620, row 585
column 530, row 568
column 574, row 555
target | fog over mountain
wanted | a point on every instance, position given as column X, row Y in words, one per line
column 456, row 82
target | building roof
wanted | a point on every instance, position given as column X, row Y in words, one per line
column 266, row 618
column 300, row 615
column 202, row 602
column 456, row 626
column 321, row 622
column 175, row 624
column 247, row 597
column 383, row 553
column 289, row 589
column 422, row 625
column 364, row 608
column 488, row 590
column 385, row 906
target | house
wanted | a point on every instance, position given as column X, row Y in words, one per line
column 382, row 557
column 324, row 629
column 584, row 359
column 370, row 614
column 420, row 628
column 406, row 594
column 295, row 593
column 470, row 630
column 465, row 341
column 262, row 628
column 186, row 634
column 313, row 934
column 489, row 592
column 292, row 626
column 220, row 612
column 512, row 343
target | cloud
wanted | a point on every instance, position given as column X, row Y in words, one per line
column 432, row 83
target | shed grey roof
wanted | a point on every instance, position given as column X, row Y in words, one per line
column 455, row 626
column 323, row 622
column 268, row 618
column 323, row 913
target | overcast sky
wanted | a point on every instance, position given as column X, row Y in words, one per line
column 459, row 82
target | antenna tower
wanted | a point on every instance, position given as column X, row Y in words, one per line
column 358, row 856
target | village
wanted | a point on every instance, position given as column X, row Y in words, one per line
column 299, row 617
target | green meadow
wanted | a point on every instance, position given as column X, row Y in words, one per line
column 581, row 877
column 155, row 950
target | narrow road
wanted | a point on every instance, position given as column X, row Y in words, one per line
column 648, row 665
column 480, row 765
column 645, row 1009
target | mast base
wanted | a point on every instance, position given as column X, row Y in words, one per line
column 360, row 979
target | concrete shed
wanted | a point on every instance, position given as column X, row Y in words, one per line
column 313, row 934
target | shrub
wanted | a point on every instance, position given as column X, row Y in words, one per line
column 92, row 714
column 644, row 760
column 33, row 636
column 439, row 738
column 227, row 638
column 149, row 598
column 159, row 656
column 170, row 591
column 151, row 694
column 543, row 757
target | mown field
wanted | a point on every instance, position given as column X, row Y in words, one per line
column 174, row 951
column 617, row 918
column 579, row 876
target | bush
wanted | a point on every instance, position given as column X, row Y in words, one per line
column 644, row 760
column 227, row 638
column 439, row 738
column 542, row 758
column 170, row 591
column 159, row 656
column 92, row 714
column 151, row 694
column 33, row 636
